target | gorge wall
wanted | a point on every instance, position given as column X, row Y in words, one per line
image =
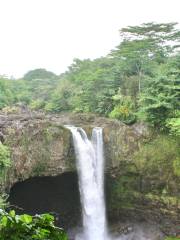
column 142, row 187
column 41, row 145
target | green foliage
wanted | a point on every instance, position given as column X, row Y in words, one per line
column 34, row 93
column 94, row 84
column 124, row 109
column 160, row 100
column 37, row 104
column 6, row 93
column 145, row 66
column 26, row 227
column 39, row 74
column 143, row 54
column 123, row 191
column 123, row 113
column 60, row 98
column 159, row 159
column 5, row 160
column 88, row 86
column 159, row 35
column 176, row 166
column 3, row 201
column 174, row 124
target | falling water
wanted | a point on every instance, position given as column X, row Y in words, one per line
column 90, row 166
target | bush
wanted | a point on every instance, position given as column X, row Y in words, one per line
column 26, row 227
column 124, row 109
column 123, row 113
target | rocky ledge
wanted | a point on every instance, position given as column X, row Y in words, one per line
column 42, row 146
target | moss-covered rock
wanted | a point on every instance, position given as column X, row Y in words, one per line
column 147, row 186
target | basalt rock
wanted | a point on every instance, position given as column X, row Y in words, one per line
column 42, row 146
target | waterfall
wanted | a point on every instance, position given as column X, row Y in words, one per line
column 90, row 167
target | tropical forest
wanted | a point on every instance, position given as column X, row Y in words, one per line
column 94, row 152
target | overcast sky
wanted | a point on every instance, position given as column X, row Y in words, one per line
column 50, row 33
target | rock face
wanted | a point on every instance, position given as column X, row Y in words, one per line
column 41, row 145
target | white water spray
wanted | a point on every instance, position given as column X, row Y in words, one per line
column 90, row 166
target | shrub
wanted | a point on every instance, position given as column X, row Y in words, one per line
column 124, row 109
column 26, row 227
column 124, row 114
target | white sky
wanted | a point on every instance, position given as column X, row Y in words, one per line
column 50, row 33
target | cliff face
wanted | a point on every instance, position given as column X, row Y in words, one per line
column 138, row 186
column 41, row 145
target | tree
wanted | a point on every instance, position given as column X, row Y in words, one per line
column 160, row 99
column 39, row 73
column 60, row 98
column 145, row 46
column 93, row 85
column 159, row 36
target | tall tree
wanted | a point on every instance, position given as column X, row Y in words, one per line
column 160, row 99
column 144, row 46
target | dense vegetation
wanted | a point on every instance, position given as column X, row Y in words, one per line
column 26, row 227
column 139, row 79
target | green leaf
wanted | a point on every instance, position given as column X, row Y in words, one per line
column 4, row 221
column 12, row 213
column 26, row 218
